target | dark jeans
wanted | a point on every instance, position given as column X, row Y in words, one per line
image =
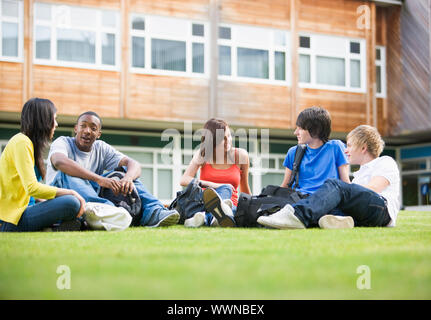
column 366, row 207
column 45, row 214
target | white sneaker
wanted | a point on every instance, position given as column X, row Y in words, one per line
column 283, row 219
column 198, row 220
column 330, row 221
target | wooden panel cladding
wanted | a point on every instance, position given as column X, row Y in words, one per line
column 408, row 67
column 11, row 86
column 267, row 13
column 394, row 70
column 168, row 98
column 74, row 91
column 382, row 116
column 381, row 26
column 105, row 4
column 347, row 109
column 192, row 9
column 336, row 17
column 253, row 104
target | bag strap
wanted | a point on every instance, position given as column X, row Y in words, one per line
column 299, row 154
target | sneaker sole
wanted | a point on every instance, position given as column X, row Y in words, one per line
column 336, row 222
column 167, row 221
column 212, row 204
column 273, row 225
column 68, row 226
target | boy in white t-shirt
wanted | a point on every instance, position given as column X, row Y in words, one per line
column 371, row 200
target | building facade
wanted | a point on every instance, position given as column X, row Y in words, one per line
column 155, row 71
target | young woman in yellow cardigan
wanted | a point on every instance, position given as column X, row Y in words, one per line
column 21, row 169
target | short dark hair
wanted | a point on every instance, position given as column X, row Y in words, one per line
column 90, row 113
column 317, row 121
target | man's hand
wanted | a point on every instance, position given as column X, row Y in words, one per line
column 127, row 185
column 109, row 183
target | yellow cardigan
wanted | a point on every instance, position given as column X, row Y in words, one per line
column 18, row 180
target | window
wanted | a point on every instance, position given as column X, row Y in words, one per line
column 253, row 63
column 304, row 42
column 253, row 54
column 330, row 62
column 330, row 71
column 164, row 45
column 157, row 173
column 76, row 36
column 380, row 72
column 225, row 58
column 168, row 55
column 198, row 30
column 11, row 13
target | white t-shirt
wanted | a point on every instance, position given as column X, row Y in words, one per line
column 387, row 168
column 102, row 156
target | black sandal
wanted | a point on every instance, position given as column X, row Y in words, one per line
column 212, row 203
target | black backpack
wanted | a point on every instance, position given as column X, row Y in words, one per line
column 188, row 201
column 271, row 199
column 131, row 202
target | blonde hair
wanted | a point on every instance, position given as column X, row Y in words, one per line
column 369, row 136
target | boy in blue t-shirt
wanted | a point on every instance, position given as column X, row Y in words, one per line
column 323, row 158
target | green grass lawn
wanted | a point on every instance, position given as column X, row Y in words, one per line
column 216, row 263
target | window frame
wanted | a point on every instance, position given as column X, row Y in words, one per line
column 313, row 52
column 234, row 43
column 189, row 39
column 382, row 64
column 155, row 166
column 99, row 29
column 20, row 21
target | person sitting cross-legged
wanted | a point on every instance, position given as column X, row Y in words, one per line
column 323, row 159
column 79, row 163
column 27, row 204
column 371, row 200
column 223, row 169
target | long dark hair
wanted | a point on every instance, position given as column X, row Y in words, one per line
column 211, row 136
column 37, row 121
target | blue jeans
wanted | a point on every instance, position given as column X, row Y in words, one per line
column 225, row 192
column 45, row 214
column 366, row 207
column 89, row 190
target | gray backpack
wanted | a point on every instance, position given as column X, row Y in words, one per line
column 131, row 202
column 188, row 201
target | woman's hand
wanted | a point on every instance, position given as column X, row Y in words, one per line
column 64, row 192
column 82, row 201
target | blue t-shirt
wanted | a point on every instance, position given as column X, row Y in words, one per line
column 318, row 165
